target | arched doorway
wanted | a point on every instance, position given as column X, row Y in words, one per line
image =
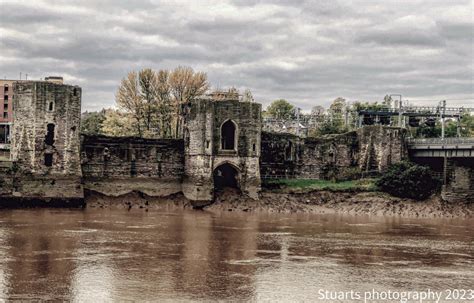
column 228, row 135
column 226, row 176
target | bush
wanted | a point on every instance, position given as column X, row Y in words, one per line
column 408, row 180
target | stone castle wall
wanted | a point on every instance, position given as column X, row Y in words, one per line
column 367, row 150
column 45, row 141
column 116, row 166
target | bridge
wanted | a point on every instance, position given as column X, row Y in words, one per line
column 442, row 147
column 450, row 158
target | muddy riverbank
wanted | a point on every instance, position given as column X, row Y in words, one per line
column 318, row 202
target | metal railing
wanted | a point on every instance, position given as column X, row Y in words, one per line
column 440, row 141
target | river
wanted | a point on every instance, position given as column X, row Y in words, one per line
column 113, row 255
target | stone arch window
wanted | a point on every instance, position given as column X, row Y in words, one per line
column 5, row 88
column 49, row 139
column 228, row 135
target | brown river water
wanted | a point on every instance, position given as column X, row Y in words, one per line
column 116, row 255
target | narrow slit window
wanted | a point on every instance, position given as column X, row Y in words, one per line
column 289, row 151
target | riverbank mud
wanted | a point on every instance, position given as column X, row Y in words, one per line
column 355, row 203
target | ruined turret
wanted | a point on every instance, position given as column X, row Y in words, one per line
column 222, row 147
column 46, row 140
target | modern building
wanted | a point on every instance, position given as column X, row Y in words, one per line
column 6, row 116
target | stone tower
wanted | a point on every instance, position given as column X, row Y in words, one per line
column 222, row 147
column 46, row 139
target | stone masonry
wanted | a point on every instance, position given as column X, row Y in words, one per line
column 223, row 145
column 206, row 121
column 116, row 166
column 45, row 142
column 369, row 150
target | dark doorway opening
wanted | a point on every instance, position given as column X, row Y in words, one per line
column 228, row 135
column 48, row 160
column 49, row 139
column 225, row 176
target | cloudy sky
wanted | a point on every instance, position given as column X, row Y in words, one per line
column 308, row 52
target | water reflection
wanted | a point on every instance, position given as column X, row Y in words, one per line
column 93, row 255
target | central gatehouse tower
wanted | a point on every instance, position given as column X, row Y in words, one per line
column 222, row 146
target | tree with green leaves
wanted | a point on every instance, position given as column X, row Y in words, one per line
column 280, row 109
column 119, row 124
column 409, row 180
column 387, row 101
column 466, row 128
column 91, row 122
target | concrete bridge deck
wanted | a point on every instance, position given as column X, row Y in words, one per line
column 442, row 147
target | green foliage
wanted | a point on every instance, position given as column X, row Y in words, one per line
column 408, row 180
column 309, row 184
column 387, row 101
column 467, row 125
column 328, row 127
column 357, row 106
column 281, row 109
column 349, row 173
column 91, row 122
column 451, row 128
column 425, row 131
column 118, row 124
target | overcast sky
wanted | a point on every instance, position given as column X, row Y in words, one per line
column 308, row 52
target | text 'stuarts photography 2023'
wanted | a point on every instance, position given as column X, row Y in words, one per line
column 237, row 151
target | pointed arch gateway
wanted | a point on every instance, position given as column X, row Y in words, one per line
column 226, row 175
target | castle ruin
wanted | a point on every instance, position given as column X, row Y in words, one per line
column 223, row 146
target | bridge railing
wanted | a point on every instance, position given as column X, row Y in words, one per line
column 440, row 141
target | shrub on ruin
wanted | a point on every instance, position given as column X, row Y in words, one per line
column 409, row 180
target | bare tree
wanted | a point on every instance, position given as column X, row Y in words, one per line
column 148, row 87
column 185, row 84
column 165, row 106
column 153, row 99
column 129, row 99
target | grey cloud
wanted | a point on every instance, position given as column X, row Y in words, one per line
column 309, row 52
column 408, row 37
